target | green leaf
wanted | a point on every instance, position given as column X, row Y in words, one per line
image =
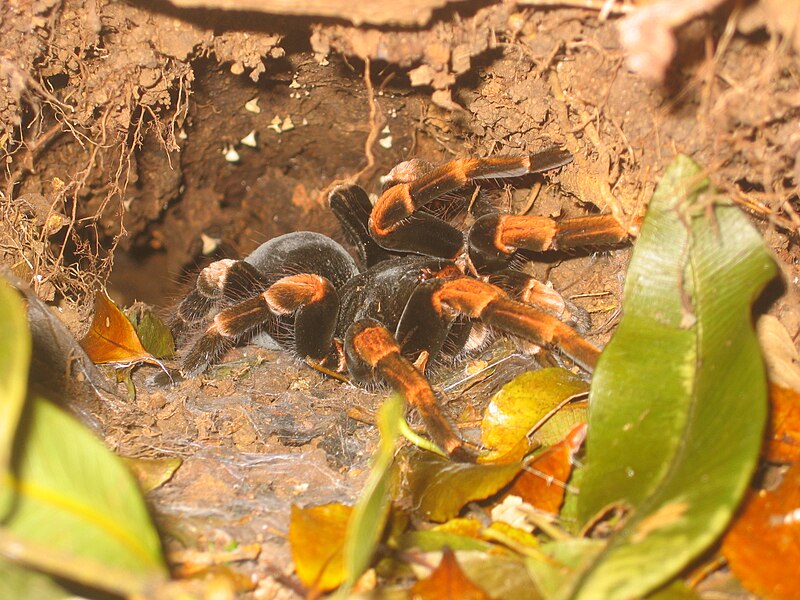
column 372, row 509
column 568, row 516
column 678, row 400
column 78, row 512
column 560, row 563
column 154, row 334
column 15, row 352
column 430, row 541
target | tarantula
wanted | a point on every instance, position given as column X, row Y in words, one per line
column 426, row 289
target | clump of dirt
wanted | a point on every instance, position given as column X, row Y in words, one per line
column 142, row 141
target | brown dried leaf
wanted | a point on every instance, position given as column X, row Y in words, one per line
column 542, row 483
column 317, row 536
column 780, row 354
column 447, row 581
column 111, row 339
column 783, row 432
column 763, row 545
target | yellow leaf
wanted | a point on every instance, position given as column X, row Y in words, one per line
column 316, row 536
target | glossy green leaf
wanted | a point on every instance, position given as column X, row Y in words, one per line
column 439, row 488
column 372, row 509
column 15, row 351
column 78, row 512
column 524, row 402
column 678, row 400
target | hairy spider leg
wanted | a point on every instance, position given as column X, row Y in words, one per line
column 491, row 305
column 311, row 299
column 351, row 206
column 525, row 288
column 397, row 225
column 220, row 284
column 370, row 347
column 493, row 238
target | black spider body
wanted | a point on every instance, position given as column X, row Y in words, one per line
column 303, row 252
column 380, row 293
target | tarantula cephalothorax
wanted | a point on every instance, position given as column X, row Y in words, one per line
column 413, row 301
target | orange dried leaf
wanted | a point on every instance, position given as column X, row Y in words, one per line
column 763, row 544
column 316, row 536
column 447, row 581
column 542, row 483
column 111, row 338
column 783, row 434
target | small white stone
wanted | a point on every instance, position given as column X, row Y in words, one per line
column 294, row 84
column 209, row 243
column 275, row 124
column 250, row 139
column 231, row 155
column 182, row 134
column 287, row 124
column 252, row 106
column 386, row 142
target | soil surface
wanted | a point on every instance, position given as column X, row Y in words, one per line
column 143, row 141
